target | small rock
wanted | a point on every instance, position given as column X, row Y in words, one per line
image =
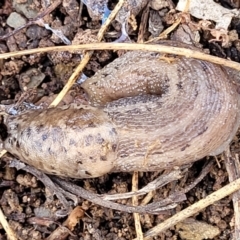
column 72, row 8
column 3, row 48
column 35, row 32
column 25, row 8
column 32, row 78
column 155, row 26
column 15, row 20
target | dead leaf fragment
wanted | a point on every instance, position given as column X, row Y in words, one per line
column 191, row 229
column 74, row 217
column 209, row 10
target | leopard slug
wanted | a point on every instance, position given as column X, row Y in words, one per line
column 145, row 114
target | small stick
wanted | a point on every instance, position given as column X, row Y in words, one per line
column 206, row 169
column 233, row 169
column 179, row 196
column 148, row 198
column 136, row 216
column 193, row 209
column 159, row 182
column 3, row 152
column 189, row 53
column 11, row 235
column 96, row 199
column 165, row 33
column 109, row 19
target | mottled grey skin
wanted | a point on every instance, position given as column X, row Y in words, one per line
column 77, row 142
column 146, row 115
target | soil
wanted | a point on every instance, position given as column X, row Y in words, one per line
column 28, row 205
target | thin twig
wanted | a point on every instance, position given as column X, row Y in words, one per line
column 233, row 169
column 180, row 196
column 95, row 198
column 165, row 33
column 130, row 46
column 11, row 235
column 193, row 209
column 148, row 198
column 3, row 152
column 110, row 19
column 160, row 181
column 206, row 169
column 136, row 216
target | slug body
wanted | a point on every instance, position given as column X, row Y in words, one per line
column 146, row 114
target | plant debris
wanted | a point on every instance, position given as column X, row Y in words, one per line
column 31, row 209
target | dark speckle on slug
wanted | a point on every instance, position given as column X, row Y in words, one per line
column 179, row 85
column 91, row 125
column 238, row 89
column 146, row 114
column 114, row 147
column 10, row 141
column 17, row 144
column 38, row 128
column 183, row 148
column 99, row 139
column 103, row 158
column 88, row 140
column 28, row 131
column 72, row 142
column 44, row 137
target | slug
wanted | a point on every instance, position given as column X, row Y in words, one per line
column 145, row 114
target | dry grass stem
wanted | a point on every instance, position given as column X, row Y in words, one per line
column 136, row 216
column 11, row 235
column 131, row 46
column 193, row 209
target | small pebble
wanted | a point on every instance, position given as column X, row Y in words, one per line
column 24, row 8
column 15, row 20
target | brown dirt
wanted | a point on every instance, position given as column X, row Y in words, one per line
column 26, row 203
